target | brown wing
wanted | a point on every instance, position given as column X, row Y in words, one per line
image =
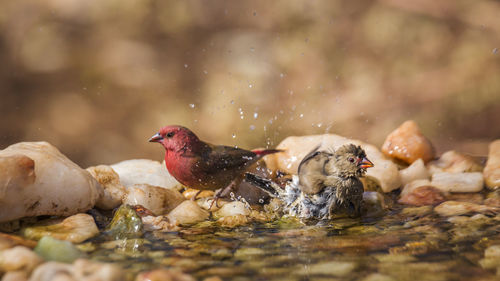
column 217, row 158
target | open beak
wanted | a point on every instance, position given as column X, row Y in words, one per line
column 365, row 163
column 156, row 138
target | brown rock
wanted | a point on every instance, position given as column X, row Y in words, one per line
column 423, row 195
column 408, row 144
column 491, row 172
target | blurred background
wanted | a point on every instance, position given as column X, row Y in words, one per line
column 97, row 78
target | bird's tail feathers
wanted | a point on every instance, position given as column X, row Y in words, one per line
column 267, row 185
column 263, row 152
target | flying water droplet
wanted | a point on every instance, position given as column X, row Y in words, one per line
column 191, row 105
column 186, row 65
column 301, row 115
column 234, row 136
column 255, row 115
column 252, row 127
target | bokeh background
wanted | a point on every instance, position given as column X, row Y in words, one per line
column 97, row 78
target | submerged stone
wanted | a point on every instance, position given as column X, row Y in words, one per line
column 456, row 208
column 164, row 275
column 125, row 224
column 423, row 195
column 333, row 268
column 76, row 229
column 52, row 249
column 19, row 258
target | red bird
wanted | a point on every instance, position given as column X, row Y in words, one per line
column 200, row 165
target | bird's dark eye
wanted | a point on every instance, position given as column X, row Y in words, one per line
column 170, row 134
column 350, row 159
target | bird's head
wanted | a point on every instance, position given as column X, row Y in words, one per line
column 175, row 138
column 350, row 160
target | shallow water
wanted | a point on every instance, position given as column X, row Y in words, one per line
column 405, row 244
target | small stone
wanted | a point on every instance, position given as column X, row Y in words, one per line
column 456, row 208
column 19, row 258
column 157, row 199
column 407, row 143
column 144, row 171
column 81, row 269
column 52, row 249
column 114, row 191
column 416, row 211
column 416, row 171
column 232, row 209
column 378, row 277
column 454, row 162
column 9, row 240
column 334, row 268
column 411, row 186
column 37, row 179
column 458, row 182
column 248, row 253
column 423, row 195
column 158, row 223
column 125, row 224
column 76, row 229
column 188, row 212
column 15, row 276
column 233, row 221
column 491, row 257
column 492, row 170
column 164, row 274
column 190, row 193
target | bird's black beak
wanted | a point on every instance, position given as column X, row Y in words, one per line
column 156, row 138
column 365, row 163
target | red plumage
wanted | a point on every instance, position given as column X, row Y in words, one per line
column 200, row 165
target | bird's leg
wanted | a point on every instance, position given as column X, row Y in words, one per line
column 222, row 192
column 197, row 193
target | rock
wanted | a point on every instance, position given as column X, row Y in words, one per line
column 295, row 148
column 8, row 241
column 52, row 249
column 188, row 212
column 76, row 229
column 190, row 193
column 80, row 270
column 144, row 171
column 114, row 191
column 407, row 143
column 232, row 209
column 409, row 187
column 125, row 224
column 476, row 198
column 458, row 182
column 492, row 170
column 15, row 276
column 36, row 179
column 423, row 195
column 378, row 277
column 164, row 274
column 416, row 171
column 456, row 208
column 491, row 258
column 454, row 162
column 19, row 258
column 334, row 268
column 233, row 221
column 158, row 223
column 157, row 199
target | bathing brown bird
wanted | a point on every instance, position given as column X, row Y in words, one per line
column 328, row 184
column 200, row 165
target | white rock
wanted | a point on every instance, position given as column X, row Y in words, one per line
column 454, row 162
column 53, row 186
column 416, row 171
column 232, row 209
column 188, row 212
column 295, row 148
column 19, row 258
column 157, row 199
column 114, row 191
column 144, row 171
column 458, row 182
